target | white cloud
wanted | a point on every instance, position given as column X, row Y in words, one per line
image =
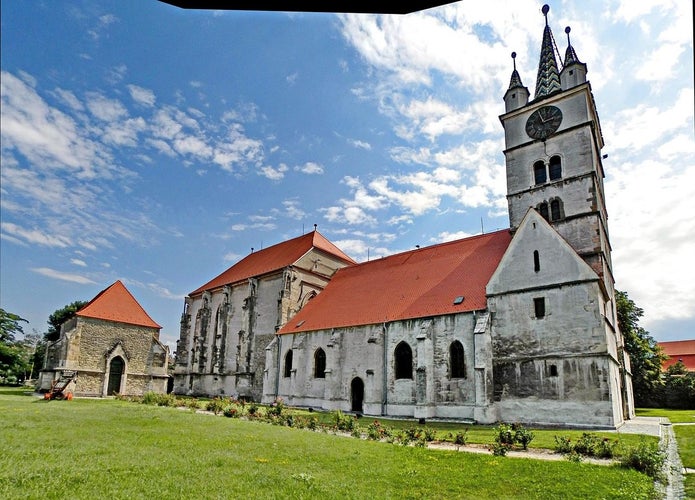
column 274, row 174
column 78, row 262
column 142, row 95
column 104, row 108
column 310, row 168
column 59, row 275
column 35, row 236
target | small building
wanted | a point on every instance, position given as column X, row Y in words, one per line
column 113, row 347
column 679, row 350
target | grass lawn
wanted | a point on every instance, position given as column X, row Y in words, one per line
column 88, row 448
column 675, row 416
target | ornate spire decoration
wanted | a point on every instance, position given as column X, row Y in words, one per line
column 548, row 79
column 515, row 82
column 570, row 54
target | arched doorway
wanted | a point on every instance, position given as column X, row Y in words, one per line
column 357, row 394
column 115, row 376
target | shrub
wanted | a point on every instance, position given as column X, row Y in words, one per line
column 231, row 412
column 646, row 457
column 377, row 432
column 586, row 444
column 499, row 449
column 252, row 409
column 216, row 405
column 344, row 422
column 504, row 434
column 461, row 438
column 522, row 435
column 563, row 444
column 430, row 434
column 276, row 408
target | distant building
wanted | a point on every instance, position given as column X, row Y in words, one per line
column 113, row 346
column 679, row 350
column 517, row 325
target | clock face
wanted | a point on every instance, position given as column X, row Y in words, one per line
column 543, row 122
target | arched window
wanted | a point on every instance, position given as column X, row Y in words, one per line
column 456, row 360
column 539, row 172
column 319, row 363
column 543, row 210
column 536, row 261
column 404, row 361
column 555, row 168
column 288, row 364
column 555, row 209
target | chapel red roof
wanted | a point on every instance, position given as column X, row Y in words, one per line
column 273, row 258
column 679, row 350
column 116, row 303
column 414, row 284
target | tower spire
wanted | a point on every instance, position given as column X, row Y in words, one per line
column 570, row 54
column 548, row 79
column 516, row 95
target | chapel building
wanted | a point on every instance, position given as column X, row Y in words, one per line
column 517, row 325
column 110, row 346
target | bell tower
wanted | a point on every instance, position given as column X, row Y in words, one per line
column 553, row 154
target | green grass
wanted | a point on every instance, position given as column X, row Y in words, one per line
column 685, row 437
column 689, row 481
column 675, row 416
column 117, row 449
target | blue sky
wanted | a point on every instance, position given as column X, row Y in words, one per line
column 158, row 146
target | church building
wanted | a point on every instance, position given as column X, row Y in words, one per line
column 517, row 325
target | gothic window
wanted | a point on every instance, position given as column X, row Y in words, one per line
column 555, row 210
column 555, row 168
column 404, row 361
column 288, row 364
column 536, row 261
column 539, row 172
column 553, row 370
column 543, row 210
column 456, row 360
column 539, row 307
column 319, row 363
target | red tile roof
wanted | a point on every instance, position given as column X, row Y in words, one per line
column 273, row 258
column 414, row 284
column 676, row 350
column 116, row 303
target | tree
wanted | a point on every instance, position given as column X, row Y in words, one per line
column 60, row 316
column 13, row 355
column 645, row 354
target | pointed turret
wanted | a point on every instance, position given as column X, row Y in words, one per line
column 574, row 71
column 548, row 80
column 516, row 95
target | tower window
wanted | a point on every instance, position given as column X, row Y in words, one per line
column 456, row 360
column 543, row 210
column 539, row 172
column 288, row 364
column 553, row 370
column 536, row 261
column 555, row 210
column 404, row 361
column 539, row 307
column 555, row 168
column 319, row 363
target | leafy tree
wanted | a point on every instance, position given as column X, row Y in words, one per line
column 13, row 355
column 645, row 354
column 679, row 390
column 60, row 316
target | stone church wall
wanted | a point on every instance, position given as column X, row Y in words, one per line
column 225, row 353
column 85, row 345
column 367, row 353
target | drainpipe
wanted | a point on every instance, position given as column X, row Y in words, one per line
column 277, row 368
column 384, row 388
